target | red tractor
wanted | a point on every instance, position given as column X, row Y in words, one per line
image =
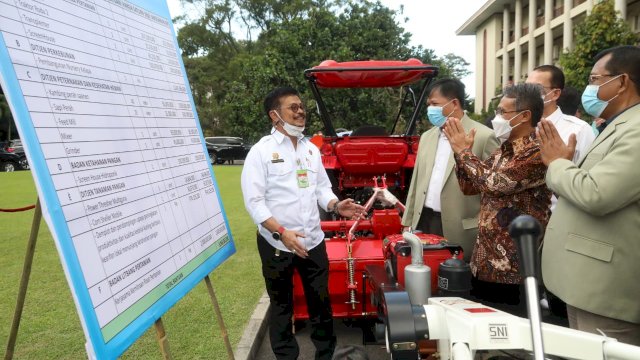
column 360, row 166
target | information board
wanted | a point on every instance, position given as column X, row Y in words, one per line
column 103, row 107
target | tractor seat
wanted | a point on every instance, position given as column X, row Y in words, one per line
column 370, row 130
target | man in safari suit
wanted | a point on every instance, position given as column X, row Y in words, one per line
column 435, row 203
column 591, row 253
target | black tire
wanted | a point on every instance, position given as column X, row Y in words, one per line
column 24, row 164
column 213, row 158
column 220, row 161
column 8, row 167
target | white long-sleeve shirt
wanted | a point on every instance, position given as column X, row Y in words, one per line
column 436, row 182
column 270, row 187
column 567, row 125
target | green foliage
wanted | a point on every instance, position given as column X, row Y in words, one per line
column 229, row 79
column 600, row 30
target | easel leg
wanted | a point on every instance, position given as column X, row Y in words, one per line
column 24, row 281
column 162, row 340
column 223, row 328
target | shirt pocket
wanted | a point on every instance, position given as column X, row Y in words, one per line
column 279, row 169
column 588, row 247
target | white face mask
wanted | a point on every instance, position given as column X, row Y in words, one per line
column 291, row 130
column 544, row 97
column 502, row 127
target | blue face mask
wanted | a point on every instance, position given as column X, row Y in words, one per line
column 590, row 101
column 435, row 115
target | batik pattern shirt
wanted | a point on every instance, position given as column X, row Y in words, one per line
column 511, row 182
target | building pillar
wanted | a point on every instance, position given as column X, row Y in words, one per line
column 517, row 65
column 621, row 6
column 548, row 35
column 567, row 27
column 589, row 6
column 531, row 55
column 505, row 45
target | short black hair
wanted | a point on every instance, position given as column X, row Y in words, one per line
column 527, row 98
column 625, row 59
column 557, row 76
column 450, row 88
column 569, row 100
column 272, row 100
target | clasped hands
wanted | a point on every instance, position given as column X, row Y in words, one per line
column 458, row 139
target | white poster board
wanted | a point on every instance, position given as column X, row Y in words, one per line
column 103, row 107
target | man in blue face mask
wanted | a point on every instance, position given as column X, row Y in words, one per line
column 435, row 203
column 591, row 247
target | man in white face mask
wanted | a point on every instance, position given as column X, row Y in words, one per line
column 283, row 184
column 551, row 79
column 510, row 183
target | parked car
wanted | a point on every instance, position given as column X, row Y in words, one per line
column 226, row 148
column 10, row 161
column 14, row 147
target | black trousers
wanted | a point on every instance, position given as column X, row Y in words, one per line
column 430, row 222
column 278, row 277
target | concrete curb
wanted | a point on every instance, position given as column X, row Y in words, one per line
column 254, row 331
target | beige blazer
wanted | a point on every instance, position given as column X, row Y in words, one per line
column 459, row 212
column 591, row 253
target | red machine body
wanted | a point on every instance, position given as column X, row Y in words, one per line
column 355, row 164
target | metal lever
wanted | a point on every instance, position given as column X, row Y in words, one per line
column 525, row 231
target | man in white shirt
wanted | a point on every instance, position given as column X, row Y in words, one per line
column 551, row 78
column 435, row 203
column 283, row 183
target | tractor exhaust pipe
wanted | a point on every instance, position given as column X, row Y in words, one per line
column 417, row 275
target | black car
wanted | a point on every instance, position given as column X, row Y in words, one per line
column 10, row 161
column 226, row 148
column 14, row 147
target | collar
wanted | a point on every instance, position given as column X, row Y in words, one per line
column 610, row 120
column 279, row 137
column 555, row 116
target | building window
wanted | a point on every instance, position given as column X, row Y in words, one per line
column 558, row 10
column 578, row 2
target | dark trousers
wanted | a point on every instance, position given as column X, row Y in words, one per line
column 430, row 222
column 278, row 277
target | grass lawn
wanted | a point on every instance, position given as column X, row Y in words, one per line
column 50, row 327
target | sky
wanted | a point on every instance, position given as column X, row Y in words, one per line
column 432, row 23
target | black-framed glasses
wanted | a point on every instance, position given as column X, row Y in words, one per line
column 594, row 77
column 294, row 107
column 500, row 111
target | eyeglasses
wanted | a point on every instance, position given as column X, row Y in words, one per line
column 294, row 107
column 500, row 111
column 594, row 77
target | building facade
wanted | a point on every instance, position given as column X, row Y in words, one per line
column 536, row 33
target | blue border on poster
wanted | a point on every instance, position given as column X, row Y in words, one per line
column 125, row 338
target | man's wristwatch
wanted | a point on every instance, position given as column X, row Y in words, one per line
column 335, row 209
column 277, row 235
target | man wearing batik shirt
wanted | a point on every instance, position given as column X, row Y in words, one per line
column 510, row 182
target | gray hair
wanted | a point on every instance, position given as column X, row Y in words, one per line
column 527, row 98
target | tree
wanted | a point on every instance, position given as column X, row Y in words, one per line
column 229, row 79
column 600, row 30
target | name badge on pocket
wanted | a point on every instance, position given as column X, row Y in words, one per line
column 303, row 178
